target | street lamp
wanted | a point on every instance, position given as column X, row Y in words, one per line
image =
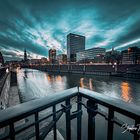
column 115, row 66
column 84, row 62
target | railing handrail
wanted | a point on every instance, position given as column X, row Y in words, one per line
column 25, row 109
column 117, row 104
column 28, row 108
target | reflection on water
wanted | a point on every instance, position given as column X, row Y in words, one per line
column 86, row 83
column 35, row 84
column 58, row 78
column 82, row 82
column 90, row 84
column 48, row 77
column 25, row 74
column 126, row 95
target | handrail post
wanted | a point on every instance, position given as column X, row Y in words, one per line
column 137, row 132
column 92, row 111
column 37, row 126
column 110, row 124
column 12, row 131
column 68, row 121
column 54, row 118
column 79, row 117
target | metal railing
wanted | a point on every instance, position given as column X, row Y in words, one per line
column 2, row 72
column 32, row 110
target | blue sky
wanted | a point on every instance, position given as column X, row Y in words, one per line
column 39, row 25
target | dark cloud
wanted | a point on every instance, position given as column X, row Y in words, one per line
column 38, row 25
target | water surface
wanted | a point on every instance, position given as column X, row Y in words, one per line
column 35, row 84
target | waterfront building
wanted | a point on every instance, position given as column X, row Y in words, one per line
column 113, row 56
column 131, row 56
column 75, row 43
column 52, row 56
column 35, row 61
column 62, row 58
column 94, row 55
column 44, row 60
column 1, row 59
column 41, row 61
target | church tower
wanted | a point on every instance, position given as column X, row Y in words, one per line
column 25, row 56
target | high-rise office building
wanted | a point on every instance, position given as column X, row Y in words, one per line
column 75, row 43
column 52, row 56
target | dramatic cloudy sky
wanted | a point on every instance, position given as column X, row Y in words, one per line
column 38, row 25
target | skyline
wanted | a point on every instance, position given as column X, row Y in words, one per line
column 41, row 25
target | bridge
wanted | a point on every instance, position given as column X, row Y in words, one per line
column 61, row 104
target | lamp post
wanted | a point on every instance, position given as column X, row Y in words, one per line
column 84, row 62
column 115, row 66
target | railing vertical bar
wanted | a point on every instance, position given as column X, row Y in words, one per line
column 136, row 136
column 110, row 124
column 37, row 126
column 54, row 118
column 92, row 111
column 68, row 121
column 79, row 118
column 12, row 131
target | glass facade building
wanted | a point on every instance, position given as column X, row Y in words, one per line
column 75, row 43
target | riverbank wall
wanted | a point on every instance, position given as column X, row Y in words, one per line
column 4, row 90
column 9, row 95
column 126, row 71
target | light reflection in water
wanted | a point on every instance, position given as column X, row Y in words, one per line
column 90, row 84
column 48, row 77
column 82, row 82
column 18, row 70
column 125, row 88
column 45, row 77
column 58, row 78
column 86, row 84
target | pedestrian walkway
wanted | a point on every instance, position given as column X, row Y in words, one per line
column 13, row 96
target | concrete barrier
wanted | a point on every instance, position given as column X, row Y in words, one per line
column 9, row 79
column 4, row 95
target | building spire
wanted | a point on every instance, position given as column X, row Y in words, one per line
column 25, row 55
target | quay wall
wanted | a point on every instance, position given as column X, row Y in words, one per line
column 129, row 71
column 8, row 80
column 4, row 91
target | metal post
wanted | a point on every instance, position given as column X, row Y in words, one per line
column 54, row 119
column 137, row 132
column 110, row 125
column 68, row 122
column 12, row 131
column 79, row 118
column 59, row 68
column 92, row 111
column 36, row 126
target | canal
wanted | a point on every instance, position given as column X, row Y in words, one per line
column 35, row 84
